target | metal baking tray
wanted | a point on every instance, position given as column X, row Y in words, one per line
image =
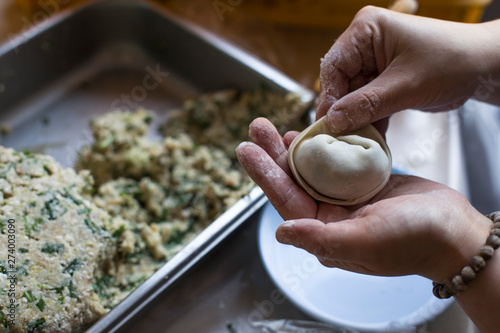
column 110, row 54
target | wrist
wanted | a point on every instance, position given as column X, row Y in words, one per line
column 477, row 262
column 461, row 243
column 481, row 296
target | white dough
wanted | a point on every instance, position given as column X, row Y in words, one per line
column 343, row 170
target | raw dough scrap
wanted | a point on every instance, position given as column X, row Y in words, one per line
column 344, row 170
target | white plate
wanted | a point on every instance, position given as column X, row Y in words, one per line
column 349, row 300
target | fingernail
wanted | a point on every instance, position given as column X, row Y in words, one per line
column 242, row 145
column 338, row 121
column 285, row 233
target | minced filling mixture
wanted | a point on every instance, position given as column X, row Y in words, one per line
column 57, row 237
column 221, row 119
column 167, row 192
column 84, row 240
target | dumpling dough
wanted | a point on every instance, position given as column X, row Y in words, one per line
column 343, row 170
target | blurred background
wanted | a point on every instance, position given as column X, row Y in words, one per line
column 290, row 35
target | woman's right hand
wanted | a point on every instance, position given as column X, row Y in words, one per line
column 386, row 62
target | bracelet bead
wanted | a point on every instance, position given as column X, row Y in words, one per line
column 493, row 241
column 468, row 274
column 495, row 216
column 448, row 287
column 477, row 263
column 495, row 232
column 487, row 252
column 459, row 282
column 437, row 290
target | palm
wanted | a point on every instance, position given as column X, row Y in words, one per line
column 395, row 227
column 392, row 234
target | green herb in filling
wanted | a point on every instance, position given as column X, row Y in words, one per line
column 41, row 304
column 72, row 290
column 91, row 225
column 73, row 266
column 35, row 324
column 52, row 248
column 29, row 296
column 118, row 232
column 5, row 170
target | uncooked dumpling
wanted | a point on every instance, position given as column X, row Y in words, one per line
column 343, row 170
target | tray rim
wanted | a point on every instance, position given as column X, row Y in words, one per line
column 221, row 227
column 227, row 47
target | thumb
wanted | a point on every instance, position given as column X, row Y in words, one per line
column 385, row 95
column 343, row 240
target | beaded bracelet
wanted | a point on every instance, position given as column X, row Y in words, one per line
column 459, row 282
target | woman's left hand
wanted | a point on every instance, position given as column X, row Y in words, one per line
column 413, row 226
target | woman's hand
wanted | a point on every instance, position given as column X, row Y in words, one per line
column 386, row 62
column 413, row 226
column 383, row 63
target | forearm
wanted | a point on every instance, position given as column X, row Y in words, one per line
column 487, row 61
column 482, row 297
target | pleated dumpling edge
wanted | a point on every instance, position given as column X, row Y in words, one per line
column 343, row 170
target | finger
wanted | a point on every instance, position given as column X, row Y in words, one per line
column 450, row 106
column 385, row 95
column 289, row 137
column 334, row 77
column 334, row 213
column 288, row 199
column 264, row 134
column 325, row 240
column 381, row 126
column 350, row 62
column 359, row 244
